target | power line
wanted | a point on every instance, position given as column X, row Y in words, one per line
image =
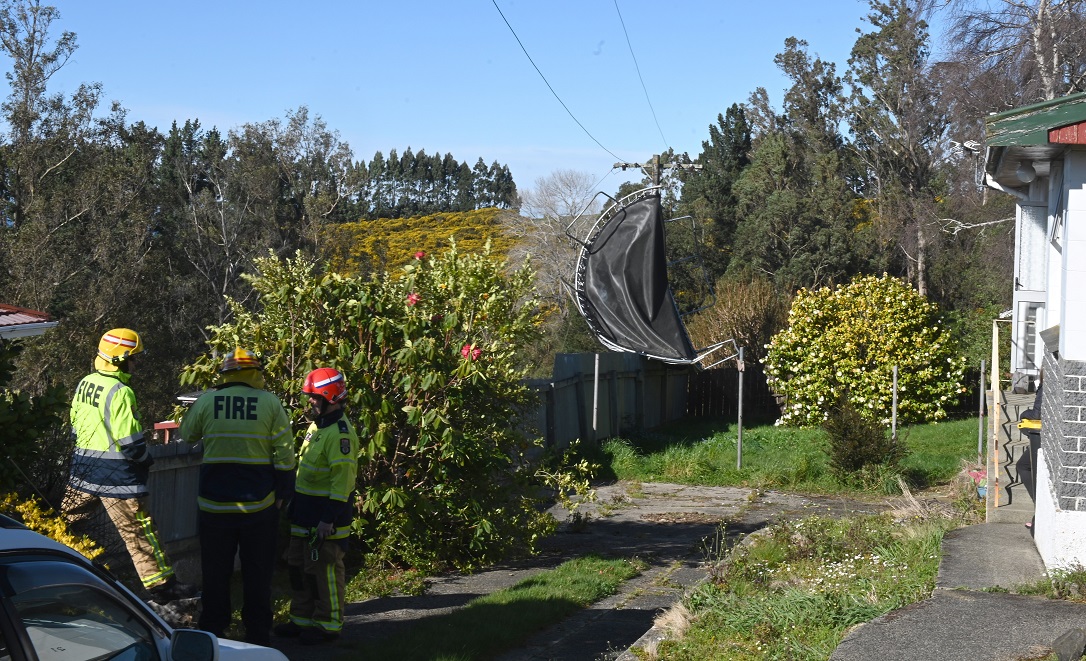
column 548, row 83
column 647, row 99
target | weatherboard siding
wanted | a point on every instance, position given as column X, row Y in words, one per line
column 1075, row 134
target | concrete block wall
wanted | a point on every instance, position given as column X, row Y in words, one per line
column 1059, row 528
column 1063, row 434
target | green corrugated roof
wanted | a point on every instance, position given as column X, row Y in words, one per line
column 1029, row 125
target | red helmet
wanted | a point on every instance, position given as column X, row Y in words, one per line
column 327, row 383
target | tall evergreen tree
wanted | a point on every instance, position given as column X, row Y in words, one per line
column 899, row 125
column 75, row 234
column 793, row 201
column 707, row 194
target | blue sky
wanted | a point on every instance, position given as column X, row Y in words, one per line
column 449, row 76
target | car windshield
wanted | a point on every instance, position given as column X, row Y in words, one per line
column 69, row 615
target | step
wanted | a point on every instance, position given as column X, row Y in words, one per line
column 1010, row 495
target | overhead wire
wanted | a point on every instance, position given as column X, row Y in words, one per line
column 589, row 134
column 639, row 77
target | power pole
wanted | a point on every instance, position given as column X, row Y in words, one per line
column 655, row 168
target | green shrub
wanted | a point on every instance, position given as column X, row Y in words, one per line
column 849, row 339
column 28, row 424
column 858, row 442
column 433, row 359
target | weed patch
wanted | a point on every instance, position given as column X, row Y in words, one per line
column 793, row 591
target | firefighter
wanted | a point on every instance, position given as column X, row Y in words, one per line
column 246, row 476
column 321, row 513
column 111, row 462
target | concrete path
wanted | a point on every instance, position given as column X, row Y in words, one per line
column 963, row 620
column 671, row 527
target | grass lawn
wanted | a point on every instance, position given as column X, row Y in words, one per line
column 796, row 589
column 704, row 452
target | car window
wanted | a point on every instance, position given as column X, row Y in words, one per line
column 76, row 620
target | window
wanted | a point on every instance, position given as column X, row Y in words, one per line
column 69, row 615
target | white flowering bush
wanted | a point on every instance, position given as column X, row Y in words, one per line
column 844, row 342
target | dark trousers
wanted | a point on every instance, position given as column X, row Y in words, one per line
column 252, row 537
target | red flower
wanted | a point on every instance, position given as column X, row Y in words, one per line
column 413, row 298
column 420, row 254
column 471, row 352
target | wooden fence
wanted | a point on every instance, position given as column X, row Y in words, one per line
column 715, row 394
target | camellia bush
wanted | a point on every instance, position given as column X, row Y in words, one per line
column 845, row 342
column 432, row 360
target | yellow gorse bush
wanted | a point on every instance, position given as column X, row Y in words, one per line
column 49, row 523
column 385, row 244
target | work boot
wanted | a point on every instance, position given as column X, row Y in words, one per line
column 171, row 590
column 316, row 636
column 288, row 630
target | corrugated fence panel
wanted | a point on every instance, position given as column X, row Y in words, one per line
column 173, row 483
column 632, row 393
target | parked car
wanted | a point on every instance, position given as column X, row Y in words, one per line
column 55, row 605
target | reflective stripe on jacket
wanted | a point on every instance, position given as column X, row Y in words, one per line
column 110, row 447
column 327, row 471
column 248, row 449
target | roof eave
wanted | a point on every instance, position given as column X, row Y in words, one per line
column 1029, row 125
column 25, row 330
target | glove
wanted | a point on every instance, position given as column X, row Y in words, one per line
column 142, row 471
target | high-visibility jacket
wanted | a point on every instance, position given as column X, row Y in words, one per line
column 327, row 470
column 111, row 457
column 248, row 449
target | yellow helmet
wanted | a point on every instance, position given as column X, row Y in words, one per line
column 115, row 347
column 240, row 359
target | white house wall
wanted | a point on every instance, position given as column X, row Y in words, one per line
column 1060, row 494
column 1028, row 313
column 1060, row 534
column 1073, row 285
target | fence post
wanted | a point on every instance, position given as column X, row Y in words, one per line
column 595, row 397
column 550, row 402
column 980, row 418
column 997, row 405
column 739, row 441
column 893, row 415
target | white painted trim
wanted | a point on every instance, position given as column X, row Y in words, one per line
column 25, row 330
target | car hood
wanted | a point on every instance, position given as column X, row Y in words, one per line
column 233, row 650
